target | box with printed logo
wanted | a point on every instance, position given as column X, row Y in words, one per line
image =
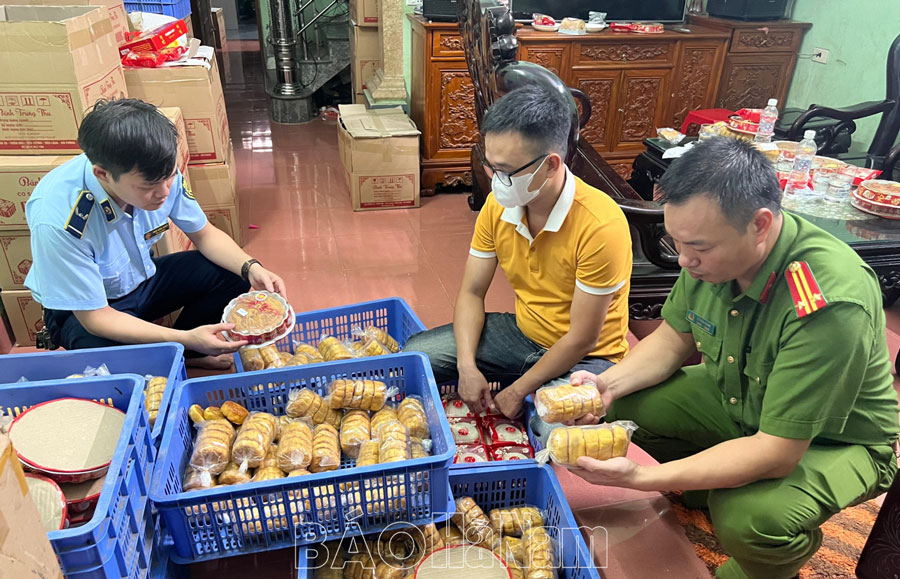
column 19, row 175
column 193, row 85
column 379, row 150
column 365, row 57
column 364, row 12
column 25, row 315
column 227, row 219
column 15, row 258
column 57, row 61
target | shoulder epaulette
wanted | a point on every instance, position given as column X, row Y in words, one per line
column 805, row 291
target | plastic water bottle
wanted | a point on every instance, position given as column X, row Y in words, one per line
column 767, row 123
column 798, row 182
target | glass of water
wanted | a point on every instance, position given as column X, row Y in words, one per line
column 785, row 160
column 821, row 178
column 839, row 186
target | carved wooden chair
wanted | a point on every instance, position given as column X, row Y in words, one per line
column 891, row 164
column 880, row 557
column 887, row 130
column 488, row 34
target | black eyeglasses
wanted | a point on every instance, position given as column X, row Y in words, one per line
column 506, row 178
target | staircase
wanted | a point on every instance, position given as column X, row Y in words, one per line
column 310, row 42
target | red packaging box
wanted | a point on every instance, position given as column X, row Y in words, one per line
column 155, row 39
column 503, row 431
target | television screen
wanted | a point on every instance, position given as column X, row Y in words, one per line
column 616, row 10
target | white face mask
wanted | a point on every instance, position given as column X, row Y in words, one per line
column 517, row 194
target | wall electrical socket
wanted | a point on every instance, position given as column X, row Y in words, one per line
column 821, row 55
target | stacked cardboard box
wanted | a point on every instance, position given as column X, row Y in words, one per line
column 197, row 89
column 365, row 12
column 380, row 153
column 58, row 58
column 214, row 186
column 365, row 58
column 115, row 10
column 19, row 175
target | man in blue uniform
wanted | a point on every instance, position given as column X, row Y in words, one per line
column 93, row 222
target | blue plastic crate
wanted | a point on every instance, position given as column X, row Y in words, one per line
column 511, row 485
column 391, row 314
column 117, row 540
column 451, row 388
column 176, row 8
column 521, row 483
column 164, row 359
column 268, row 515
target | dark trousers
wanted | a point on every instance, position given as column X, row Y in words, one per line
column 182, row 280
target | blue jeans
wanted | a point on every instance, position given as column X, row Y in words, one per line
column 504, row 353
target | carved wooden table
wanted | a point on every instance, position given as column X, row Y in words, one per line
column 636, row 83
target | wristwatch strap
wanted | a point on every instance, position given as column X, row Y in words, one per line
column 245, row 269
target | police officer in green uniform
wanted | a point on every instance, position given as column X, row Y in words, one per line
column 792, row 415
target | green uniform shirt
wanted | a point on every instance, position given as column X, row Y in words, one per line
column 826, row 376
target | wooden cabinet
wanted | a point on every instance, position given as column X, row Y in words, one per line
column 636, row 83
column 641, row 107
column 760, row 60
column 602, row 88
column 695, row 82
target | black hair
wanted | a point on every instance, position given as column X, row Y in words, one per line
column 730, row 171
column 537, row 114
column 125, row 134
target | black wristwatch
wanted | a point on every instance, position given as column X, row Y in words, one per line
column 245, row 269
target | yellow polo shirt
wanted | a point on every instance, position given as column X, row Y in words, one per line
column 586, row 243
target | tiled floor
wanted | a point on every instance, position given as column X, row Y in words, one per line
column 292, row 191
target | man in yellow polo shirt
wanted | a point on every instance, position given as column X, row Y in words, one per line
column 565, row 248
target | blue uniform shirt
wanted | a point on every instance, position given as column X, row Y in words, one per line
column 86, row 250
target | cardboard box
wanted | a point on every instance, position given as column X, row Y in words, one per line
column 364, row 12
column 24, row 547
column 15, row 259
column 215, row 184
column 227, row 219
column 365, row 56
column 57, row 61
column 219, row 27
column 194, row 86
column 114, row 8
column 25, row 315
column 19, row 175
column 184, row 154
column 380, row 153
